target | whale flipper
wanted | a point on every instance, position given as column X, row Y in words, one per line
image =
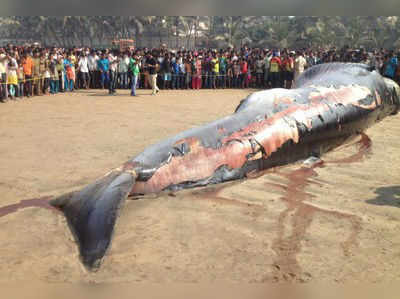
column 92, row 212
column 312, row 161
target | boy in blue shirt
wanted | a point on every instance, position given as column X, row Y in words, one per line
column 391, row 66
column 103, row 66
column 175, row 74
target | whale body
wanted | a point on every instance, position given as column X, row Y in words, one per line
column 330, row 104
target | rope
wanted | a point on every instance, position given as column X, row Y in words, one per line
column 171, row 75
column 27, row 80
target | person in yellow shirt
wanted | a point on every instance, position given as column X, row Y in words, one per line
column 275, row 70
column 73, row 61
column 215, row 70
column 12, row 79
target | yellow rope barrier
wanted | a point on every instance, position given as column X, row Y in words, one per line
column 27, row 80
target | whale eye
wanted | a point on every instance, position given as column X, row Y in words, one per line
column 260, row 118
column 181, row 149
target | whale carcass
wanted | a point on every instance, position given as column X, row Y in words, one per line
column 330, row 104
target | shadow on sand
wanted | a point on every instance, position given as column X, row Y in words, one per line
column 386, row 196
column 117, row 95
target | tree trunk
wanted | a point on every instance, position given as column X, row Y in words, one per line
column 209, row 31
column 230, row 32
column 168, row 44
column 56, row 38
column 195, row 31
column 189, row 35
column 136, row 42
column 176, row 33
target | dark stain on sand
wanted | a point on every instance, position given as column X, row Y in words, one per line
column 286, row 267
column 212, row 194
column 364, row 148
column 43, row 203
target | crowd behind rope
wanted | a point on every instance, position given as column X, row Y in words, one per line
column 29, row 71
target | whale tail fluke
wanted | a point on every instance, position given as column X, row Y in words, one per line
column 92, row 212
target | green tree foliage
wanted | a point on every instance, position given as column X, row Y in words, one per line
column 207, row 31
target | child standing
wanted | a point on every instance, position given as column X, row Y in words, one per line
column 21, row 80
column 54, row 76
column 47, row 77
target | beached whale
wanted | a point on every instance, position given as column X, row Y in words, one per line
column 330, row 104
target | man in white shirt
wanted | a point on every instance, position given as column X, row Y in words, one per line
column 259, row 71
column 267, row 80
column 123, row 71
column 113, row 60
column 3, row 75
column 299, row 65
column 93, row 71
column 84, row 70
column 311, row 60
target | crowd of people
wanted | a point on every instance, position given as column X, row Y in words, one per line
column 33, row 70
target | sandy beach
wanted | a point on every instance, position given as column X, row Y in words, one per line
column 339, row 222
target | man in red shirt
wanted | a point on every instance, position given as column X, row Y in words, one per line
column 275, row 66
column 243, row 72
column 288, row 70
